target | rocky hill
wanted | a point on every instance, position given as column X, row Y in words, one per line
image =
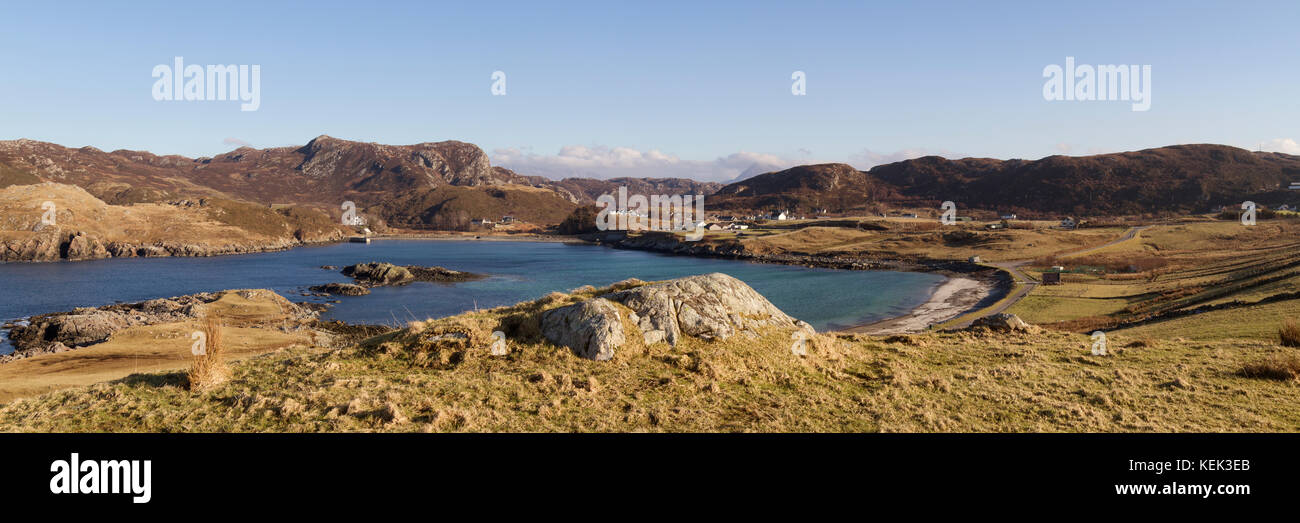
column 1167, row 179
column 80, row 226
column 414, row 183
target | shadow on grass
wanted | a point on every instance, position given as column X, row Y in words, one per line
column 173, row 379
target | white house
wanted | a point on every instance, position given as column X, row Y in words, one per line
column 1008, row 216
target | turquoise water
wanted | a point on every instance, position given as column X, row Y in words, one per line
column 518, row 271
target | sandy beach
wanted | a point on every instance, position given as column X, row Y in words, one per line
column 951, row 299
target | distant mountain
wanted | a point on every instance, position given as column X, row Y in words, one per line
column 588, row 189
column 1174, row 178
column 408, row 184
column 806, row 187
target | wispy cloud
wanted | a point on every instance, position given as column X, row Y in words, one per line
column 600, row 161
column 236, row 142
column 867, row 158
column 1281, row 145
column 614, row 162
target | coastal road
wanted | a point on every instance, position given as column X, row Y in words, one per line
column 1027, row 284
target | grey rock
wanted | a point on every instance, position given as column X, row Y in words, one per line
column 1002, row 322
column 593, row 328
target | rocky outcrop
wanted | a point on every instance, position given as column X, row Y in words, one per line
column 90, row 325
column 44, row 247
column 81, row 246
column 375, row 274
column 342, row 289
column 711, row 307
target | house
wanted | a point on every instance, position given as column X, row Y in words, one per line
column 974, row 259
column 507, row 219
column 1008, row 216
column 1051, row 278
column 780, row 216
column 481, row 221
column 1285, row 207
column 1069, row 223
column 714, row 227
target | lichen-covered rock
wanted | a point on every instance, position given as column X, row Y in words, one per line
column 708, row 306
column 593, row 328
column 711, row 306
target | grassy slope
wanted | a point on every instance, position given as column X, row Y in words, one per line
column 968, row 381
column 221, row 222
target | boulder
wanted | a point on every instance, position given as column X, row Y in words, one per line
column 711, row 306
column 593, row 328
column 708, row 306
column 1003, row 322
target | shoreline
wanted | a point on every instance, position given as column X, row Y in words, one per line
column 951, row 299
column 968, row 285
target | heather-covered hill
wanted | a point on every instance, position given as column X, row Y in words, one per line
column 1177, row 178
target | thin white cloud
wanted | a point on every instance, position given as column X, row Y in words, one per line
column 236, row 142
column 602, row 162
column 866, row 159
column 1281, row 145
column 613, row 162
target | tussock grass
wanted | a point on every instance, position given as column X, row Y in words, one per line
column 1284, row 368
column 1289, row 334
column 208, row 369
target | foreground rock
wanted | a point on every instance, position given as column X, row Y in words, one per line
column 61, row 331
column 375, row 274
column 711, row 306
column 342, row 289
column 1003, row 322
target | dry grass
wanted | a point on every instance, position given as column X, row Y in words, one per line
column 209, row 369
column 1289, row 334
column 439, row 376
column 1282, row 368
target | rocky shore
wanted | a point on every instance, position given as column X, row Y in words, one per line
column 78, row 245
column 63, row 331
column 970, row 287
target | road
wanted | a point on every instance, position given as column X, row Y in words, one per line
column 1027, row 284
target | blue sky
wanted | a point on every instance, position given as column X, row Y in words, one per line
column 696, row 88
